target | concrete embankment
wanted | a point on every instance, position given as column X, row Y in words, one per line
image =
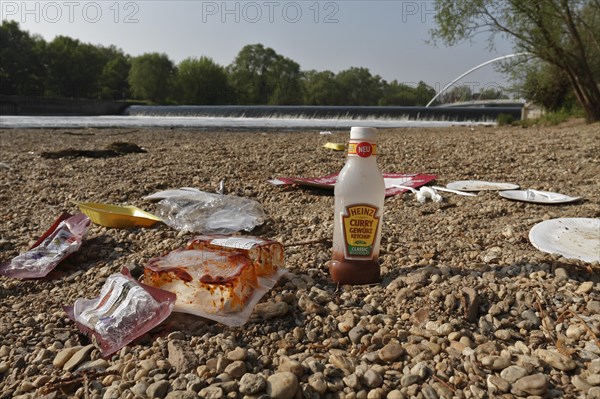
column 24, row 105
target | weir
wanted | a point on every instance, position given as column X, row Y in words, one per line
column 479, row 113
column 40, row 106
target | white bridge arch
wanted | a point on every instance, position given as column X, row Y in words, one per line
column 473, row 70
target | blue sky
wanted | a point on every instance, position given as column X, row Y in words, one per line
column 388, row 37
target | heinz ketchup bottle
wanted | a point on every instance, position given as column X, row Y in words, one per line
column 359, row 196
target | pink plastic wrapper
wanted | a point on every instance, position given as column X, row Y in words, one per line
column 125, row 310
column 62, row 239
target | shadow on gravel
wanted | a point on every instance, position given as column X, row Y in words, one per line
column 316, row 191
column 116, row 149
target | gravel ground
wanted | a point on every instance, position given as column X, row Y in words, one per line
column 467, row 307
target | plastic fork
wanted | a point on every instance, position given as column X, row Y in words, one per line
column 454, row 191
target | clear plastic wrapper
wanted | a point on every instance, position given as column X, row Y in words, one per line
column 202, row 212
column 62, row 239
column 266, row 255
column 124, row 310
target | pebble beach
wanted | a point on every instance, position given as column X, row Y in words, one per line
column 467, row 306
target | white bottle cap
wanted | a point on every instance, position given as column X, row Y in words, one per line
column 363, row 133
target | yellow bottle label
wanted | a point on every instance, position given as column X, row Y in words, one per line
column 360, row 225
column 362, row 149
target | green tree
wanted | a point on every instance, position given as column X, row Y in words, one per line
column 201, row 81
column 113, row 79
column 320, row 88
column 73, row 68
column 261, row 76
column 457, row 94
column 404, row 94
column 287, row 88
column 395, row 93
column 424, row 93
column 21, row 67
column 151, row 76
column 490, row 93
column 546, row 85
column 359, row 87
column 249, row 74
column 562, row 33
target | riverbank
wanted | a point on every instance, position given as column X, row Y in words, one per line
column 532, row 331
column 44, row 106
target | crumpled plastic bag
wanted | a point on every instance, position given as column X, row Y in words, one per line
column 207, row 213
column 62, row 239
column 423, row 193
column 428, row 192
column 125, row 310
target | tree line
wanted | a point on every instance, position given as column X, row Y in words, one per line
column 67, row 68
column 562, row 38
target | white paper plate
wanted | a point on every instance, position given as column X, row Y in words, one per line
column 479, row 185
column 538, row 197
column 577, row 238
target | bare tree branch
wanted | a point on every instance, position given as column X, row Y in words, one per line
column 555, row 31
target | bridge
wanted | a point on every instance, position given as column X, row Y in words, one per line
column 473, row 70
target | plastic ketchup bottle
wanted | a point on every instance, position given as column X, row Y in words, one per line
column 359, row 196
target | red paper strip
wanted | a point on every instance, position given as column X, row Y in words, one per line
column 414, row 180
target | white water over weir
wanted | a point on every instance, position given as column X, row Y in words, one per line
column 330, row 113
column 271, row 117
column 473, row 70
